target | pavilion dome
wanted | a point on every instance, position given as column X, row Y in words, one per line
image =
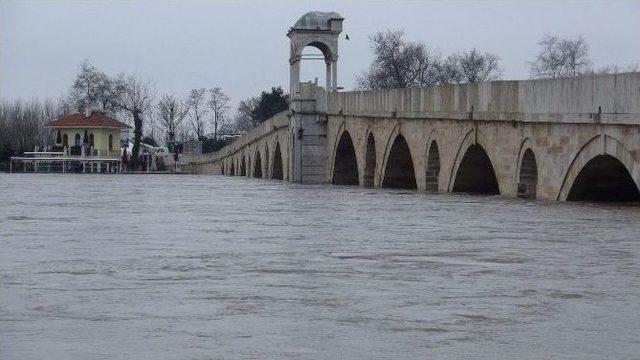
column 316, row 20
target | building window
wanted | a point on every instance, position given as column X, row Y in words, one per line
column 77, row 140
column 58, row 137
column 110, row 142
column 91, row 140
column 65, row 140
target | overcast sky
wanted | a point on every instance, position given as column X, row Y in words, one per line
column 241, row 45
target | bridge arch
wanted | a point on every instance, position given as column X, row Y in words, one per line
column 369, row 173
column 266, row 161
column 527, row 171
column 243, row 166
column 277, row 170
column 473, row 171
column 399, row 171
column 602, row 170
column 345, row 162
column 257, row 165
column 432, row 167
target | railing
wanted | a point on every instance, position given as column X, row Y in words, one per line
column 37, row 154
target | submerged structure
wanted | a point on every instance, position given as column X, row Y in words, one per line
column 561, row 139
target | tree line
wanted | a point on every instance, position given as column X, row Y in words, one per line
column 202, row 114
column 402, row 63
column 22, row 126
column 205, row 113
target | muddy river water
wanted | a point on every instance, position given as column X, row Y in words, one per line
column 208, row 267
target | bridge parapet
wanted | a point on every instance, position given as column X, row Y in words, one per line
column 273, row 124
column 609, row 99
column 256, row 139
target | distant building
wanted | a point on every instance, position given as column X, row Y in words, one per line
column 94, row 131
column 89, row 142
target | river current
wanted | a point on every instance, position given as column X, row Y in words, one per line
column 211, row 267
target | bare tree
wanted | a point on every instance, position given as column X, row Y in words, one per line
column 397, row 63
column 561, row 57
column 475, row 67
column 93, row 88
column 134, row 97
column 219, row 105
column 171, row 113
column 448, row 71
column 244, row 119
column 197, row 106
column 64, row 106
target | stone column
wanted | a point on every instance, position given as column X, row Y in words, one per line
column 328, row 88
column 291, row 75
column 295, row 77
column 334, row 74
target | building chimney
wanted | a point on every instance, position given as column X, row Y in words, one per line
column 87, row 111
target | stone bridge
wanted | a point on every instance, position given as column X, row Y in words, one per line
column 556, row 139
column 263, row 152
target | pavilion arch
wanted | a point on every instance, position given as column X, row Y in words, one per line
column 527, row 171
column 320, row 30
column 345, row 162
column 369, row 173
column 257, row 165
column 473, row 170
column 399, row 171
column 321, row 45
column 277, row 169
column 602, row 170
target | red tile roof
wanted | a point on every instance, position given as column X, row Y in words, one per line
column 95, row 120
